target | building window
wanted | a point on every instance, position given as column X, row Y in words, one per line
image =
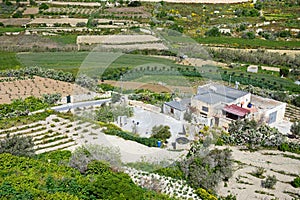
column 205, row 109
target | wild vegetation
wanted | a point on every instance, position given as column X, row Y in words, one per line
column 51, row 180
column 253, row 135
column 24, row 107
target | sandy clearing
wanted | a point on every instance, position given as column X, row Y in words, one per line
column 130, row 151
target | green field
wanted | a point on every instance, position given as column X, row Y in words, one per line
column 63, row 39
column 66, row 61
column 8, row 60
column 92, row 63
column 247, row 43
column 10, row 29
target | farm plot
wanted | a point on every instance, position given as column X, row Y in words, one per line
column 52, row 134
column 70, row 3
column 129, row 12
column 51, row 22
column 36, row 87
column 15, row 21
column 31, row 11
column 70, row 11
column 116, row 39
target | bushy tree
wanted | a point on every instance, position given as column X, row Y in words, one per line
column 86, row 82
column 17, row 14
column 295, row 128
column 296, row 101
column 284, row 72
column 248, row 35
column 205, row 169
column 111, row 113
column 161, row 132
column 245, row 132
column 83, row 155
column 51, row 98
column 43, row 6
column 213, row 32
column 16, row 145
column 81, row 24
column 115, row 97
column 134, row 4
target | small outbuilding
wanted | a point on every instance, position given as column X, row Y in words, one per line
column 176, row 108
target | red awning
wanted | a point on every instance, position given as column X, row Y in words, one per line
column 236, row 110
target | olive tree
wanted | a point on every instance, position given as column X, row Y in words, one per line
column 83, row 155
column 205, row 168
column 17, row 145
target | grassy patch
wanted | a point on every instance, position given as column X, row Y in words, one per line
column 63, row 39
column 66, row 61
column 93, row 63
column 11, row 29
column 8, row 60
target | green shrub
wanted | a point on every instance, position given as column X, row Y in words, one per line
column 43, row 6
column 97, row 167
column 296, row 182
column 269, row 182
column 213, row 32
column 259, row 172
column 203, row 194
column 173, row 171
column 150, row 142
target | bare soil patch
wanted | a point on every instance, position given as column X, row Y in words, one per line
column 130, row 85
column 36, row 87
column 31, row 11
column 15, row 21
column 130, row 11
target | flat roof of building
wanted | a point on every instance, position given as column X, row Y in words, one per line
column 214, row 93
column 264, row 103
column 213, row 98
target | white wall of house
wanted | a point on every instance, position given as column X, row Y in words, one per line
column 177, row 114
column 280, row 110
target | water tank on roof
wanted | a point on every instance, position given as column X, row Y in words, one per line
column 249, row 105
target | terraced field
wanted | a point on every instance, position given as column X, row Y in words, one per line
column 52, row 134
column 292, row 112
